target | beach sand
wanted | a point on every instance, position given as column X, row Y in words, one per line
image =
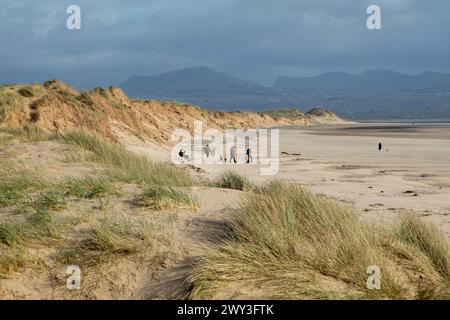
column 412, row 172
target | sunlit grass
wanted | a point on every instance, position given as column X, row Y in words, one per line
column 287, row 243
column 126, row 166
column 164, row 197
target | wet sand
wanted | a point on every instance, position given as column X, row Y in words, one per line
column 396, row 130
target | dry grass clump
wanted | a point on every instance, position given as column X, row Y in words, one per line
column 16, row 183
column 12, row 253
column 28, row 133
column 89, row 187
column 233, row 180
column 425, row 251
column 9, row 100
column 164, row 197
column 11, row 259
column 30, row 91
column 126, row 166
column 34, row 203
column 109, row 238
column 287, row 243
column 109, row 97
column 37, row 224
column 85, row 98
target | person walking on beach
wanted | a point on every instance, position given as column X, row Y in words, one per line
column 249, row 155
column 233, row 154
column 380, row 146
column 207, row 151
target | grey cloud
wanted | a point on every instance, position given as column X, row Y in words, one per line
column 254, row 39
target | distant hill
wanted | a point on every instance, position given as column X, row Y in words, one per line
column 373, row 80
column 188, row 83
column 373, row 94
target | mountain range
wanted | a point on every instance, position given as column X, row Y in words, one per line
column 373, row 94
column 191, row 82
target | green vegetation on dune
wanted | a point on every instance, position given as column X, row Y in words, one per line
column 11, row 259
column 28, row 133
column 126, row 166
column 16, row 183
column 38, row 202
column 164, row 197
column 89, row 187
column 85, row 98
column 37, row 224
column 105, row 93
column 110, row 238
column 278, row 114
column 287, row 243
column 10, row 233
column 233, row 180
column 30, row 91
column 9, row 100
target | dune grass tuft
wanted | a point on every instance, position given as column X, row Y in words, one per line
column 85, row 98
column 30, row 91
column 42, row 223
column 126, row 166
column 10, row 233
column 232, row 180
column 164, row 197
column 11, row 259
column 109, row 238
column 16, row 184
column 287, row 243
column 50, row 200
column 9, row 100
column 39, row 226
column 12, row 255
column 428, row 240
column 89, row 187
column 28, row 133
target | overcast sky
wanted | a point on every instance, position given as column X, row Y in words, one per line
column 256, row 40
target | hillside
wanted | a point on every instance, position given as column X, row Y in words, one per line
column 370, row 80
column 59, row 108
column 190, row 83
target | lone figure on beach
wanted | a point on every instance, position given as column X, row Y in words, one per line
column 380, row 146
column 249, row 155
column 207, row 151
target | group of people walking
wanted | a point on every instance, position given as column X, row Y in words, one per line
column 233, row 154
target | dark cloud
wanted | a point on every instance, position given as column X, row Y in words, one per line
column 253, row 39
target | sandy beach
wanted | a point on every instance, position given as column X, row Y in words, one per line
column 340, row 161
column 412, row 172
